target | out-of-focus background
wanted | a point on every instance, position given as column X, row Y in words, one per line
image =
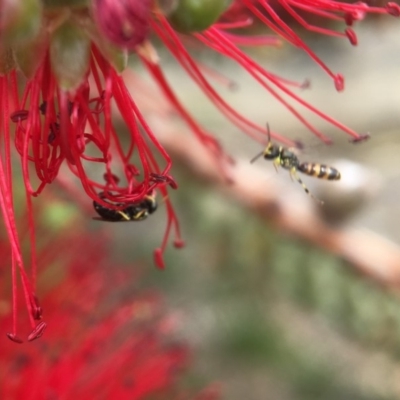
column 272, row 315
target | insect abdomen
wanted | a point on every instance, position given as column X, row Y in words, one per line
column 108, row 214
column 321, row 171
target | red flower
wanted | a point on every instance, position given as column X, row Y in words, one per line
column 240, row 15
column 105, row 339
column 74, row 97
column 55, row 127
column 126, row 23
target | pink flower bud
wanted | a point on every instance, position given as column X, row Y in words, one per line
column 125, row 22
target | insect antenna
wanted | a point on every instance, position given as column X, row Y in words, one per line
column 268, row 133
column 257, row 157
column 262, row 152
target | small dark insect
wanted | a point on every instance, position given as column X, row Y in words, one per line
column 133, row 212
column 287, row 159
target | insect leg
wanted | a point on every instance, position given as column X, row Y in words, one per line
column 142, row 214
column 294, row 175
column 124, row 215
column 262, row 153
column 277, row 163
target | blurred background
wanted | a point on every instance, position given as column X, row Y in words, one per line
column 274, row 313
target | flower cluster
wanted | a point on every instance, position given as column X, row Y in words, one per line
column 71, row 54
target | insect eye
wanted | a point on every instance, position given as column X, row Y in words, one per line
column 271, row 153
column 151, row 205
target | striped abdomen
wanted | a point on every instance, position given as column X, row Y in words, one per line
column 320, row 171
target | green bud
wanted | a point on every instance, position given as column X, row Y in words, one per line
column 197, row 15
column 29, row 55
column 54, row 4
column 21, row 20
column 167, row 6
column 6, row 61
column 117, row 56
column 69, row 55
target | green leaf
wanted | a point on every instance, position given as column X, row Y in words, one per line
column 197, row 15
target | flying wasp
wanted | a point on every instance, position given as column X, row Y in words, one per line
column 287, row 159
column 133, row 212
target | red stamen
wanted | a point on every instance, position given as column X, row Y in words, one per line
column 393, row 9
column 37, row 310
column 352, row 36
column 361, row 138
column 37, row 332
column 179, row 243
column 159, row 259
column 14, row 338
column 20, row 115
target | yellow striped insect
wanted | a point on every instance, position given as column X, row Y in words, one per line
column 287, row 159
column 131, row 212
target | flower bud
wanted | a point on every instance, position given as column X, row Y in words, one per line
column 20, row 20
column 197, row 15
column 69, row 55
column 116, row 55
column 167, row 6
column 58, row 4
column 124, row 22
column 6, row 61
column 31, row 54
